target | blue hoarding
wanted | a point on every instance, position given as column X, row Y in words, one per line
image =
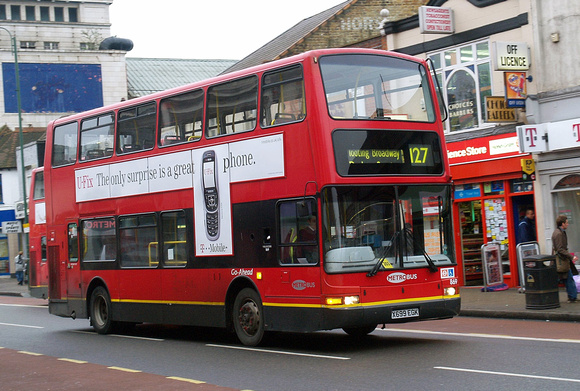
column 53, row 88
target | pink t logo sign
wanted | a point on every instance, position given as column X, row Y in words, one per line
column 531, row 133
column 576, row 132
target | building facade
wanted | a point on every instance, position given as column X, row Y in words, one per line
column 552, row 132
column 63, row 68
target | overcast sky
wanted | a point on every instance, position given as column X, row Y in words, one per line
column 226, row 29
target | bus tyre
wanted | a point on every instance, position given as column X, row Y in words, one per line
column 360, row 331
column 248, row 317
column 100, row 311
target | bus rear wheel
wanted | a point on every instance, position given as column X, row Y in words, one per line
column 248, row 317
column 100, row 311
column 359, row 331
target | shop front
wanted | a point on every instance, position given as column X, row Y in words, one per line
column 556, row 146
column 490, row 199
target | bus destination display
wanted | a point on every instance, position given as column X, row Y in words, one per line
column 392, row 152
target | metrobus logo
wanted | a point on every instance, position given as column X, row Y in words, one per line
column 300, row 285
column 448, row 272
column 397, row 278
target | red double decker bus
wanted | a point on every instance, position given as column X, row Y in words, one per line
column 309, row 193
column 37, row 264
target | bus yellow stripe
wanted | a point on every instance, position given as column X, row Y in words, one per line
column 290, row 305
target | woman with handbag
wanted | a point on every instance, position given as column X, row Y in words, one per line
column 564, row 260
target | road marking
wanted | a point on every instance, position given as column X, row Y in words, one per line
column 119, row 336
column 25, row 305
column 278, row 352
column 186, row 380
column 490, row 336
column 124, row 369
column 509, row 374
column 21, row 325
column 30, row 353
column 73, row 361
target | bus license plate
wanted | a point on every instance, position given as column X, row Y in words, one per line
column 407, row 313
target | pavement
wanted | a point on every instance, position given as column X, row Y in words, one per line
column 509, row 304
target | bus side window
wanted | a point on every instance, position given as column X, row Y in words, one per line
column 298, row 232
column 73, row 243
column 97, row 137
column 138, row 240
column 64, row 144
column 232, row 107
column 174, row 236
column 181, row 118
column 99, row 240
column 136, row 128
column 283, row 98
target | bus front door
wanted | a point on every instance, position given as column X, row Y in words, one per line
column 73, row 267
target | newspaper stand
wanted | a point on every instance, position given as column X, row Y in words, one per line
column 492, row 267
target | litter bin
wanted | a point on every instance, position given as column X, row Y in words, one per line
column 541, row 282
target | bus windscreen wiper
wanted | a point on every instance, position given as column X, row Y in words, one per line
column 382, row 257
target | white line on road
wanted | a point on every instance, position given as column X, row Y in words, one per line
column 477, row 335
column 21, row 325
column 509, row 374
column 120, row 336
column 25, row 305
column 278, row 352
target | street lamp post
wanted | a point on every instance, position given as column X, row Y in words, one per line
column 19, row 107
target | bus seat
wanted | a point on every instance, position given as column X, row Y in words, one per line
column 171, row 139
column 282, row 118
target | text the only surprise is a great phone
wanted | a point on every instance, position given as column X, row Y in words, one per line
column 210, row 195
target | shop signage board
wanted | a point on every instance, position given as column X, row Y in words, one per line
column 563, row 134
column 492, row 268
column 515, row 89
column 11, row 227
column 436, row 20
column 511, row 56
column 483, row 148
column 532, row 138
column 496, row 110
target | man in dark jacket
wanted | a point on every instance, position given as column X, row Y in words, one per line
column 560, row 246
column 527, row 228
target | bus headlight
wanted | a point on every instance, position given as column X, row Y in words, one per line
column 451, row 291
column 351, row 300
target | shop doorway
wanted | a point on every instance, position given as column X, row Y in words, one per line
column 519, row 206
column 471, row 241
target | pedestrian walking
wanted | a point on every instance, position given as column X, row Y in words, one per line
column 19, row 269
column 564, row 260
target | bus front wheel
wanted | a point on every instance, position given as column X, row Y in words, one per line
column 101, row 311
column 248, row 317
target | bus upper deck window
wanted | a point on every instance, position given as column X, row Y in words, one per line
column 97, row 137
column 283, row 98
column 64, row 144
column 181, row 118
column 136, row 128
column 232, row 107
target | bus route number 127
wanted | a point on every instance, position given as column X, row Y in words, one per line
column 420, row 155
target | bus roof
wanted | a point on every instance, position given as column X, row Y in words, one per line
column 229, row 76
